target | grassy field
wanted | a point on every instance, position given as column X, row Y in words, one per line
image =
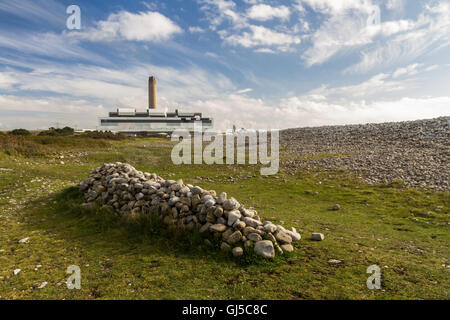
column 379, row 225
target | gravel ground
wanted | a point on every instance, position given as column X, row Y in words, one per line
column 415, row 152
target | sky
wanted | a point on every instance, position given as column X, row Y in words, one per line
column 251, row 63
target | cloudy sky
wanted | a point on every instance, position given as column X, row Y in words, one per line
column 253, row 63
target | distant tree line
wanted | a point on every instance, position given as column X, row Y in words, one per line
column 68, row 131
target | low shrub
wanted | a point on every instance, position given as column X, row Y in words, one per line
column 66, row 131
column 107, row 135
column 20, row 132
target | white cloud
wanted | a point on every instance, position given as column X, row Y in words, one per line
column 390, row 28
column 432, row 68
column 253, row 1
column 84, row 92
column 143, row 26
column 299, row 7
column 299, row 111
column 41, row 113
column 337, row 7
column 264, row 12
column 233, row 27
column 244, row 91
column 196, row 30
column 240, row 110
column 49, row 104
column 346, row 29
column 265, row 50
column 395, row 4
column 58, row 46
column 342, row 28
column 336, row 34
column 212, row 55
column 261, row 36
column 380, row 83
column 39, row 11
column 220, row 11
column 7, row 80
column 112, row 88
column 304, row 112
column 89, row 92
column 410, row 70
column 430, row 32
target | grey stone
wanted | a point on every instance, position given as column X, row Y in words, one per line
column 252, row 222
column 197, row 190
column 231, row 204
column 249, row 213
column 209, row 203
column 254, row 237
column 221, row 220
column 205, row 227
column 218, row 227
column 239, row 225
column 24, row 240
column 270, row 228
column 234, row 237
column 334, row 261
column 248, row 230
column 218, row 212
column 227, row 234
column 287, row 247
column 139, row 196
column 222, row 197
column 265, row 249
column 174, row 200
column 282, row 236
column 317, row 237
column 233, row 216
column 425, row 214
column 237, row 251
column 294, row 235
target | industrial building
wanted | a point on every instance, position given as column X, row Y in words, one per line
column 152, row 121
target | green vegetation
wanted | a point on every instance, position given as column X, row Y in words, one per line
column 104, row 135
column 20, row 132
column 382, row 225
column 66, row 131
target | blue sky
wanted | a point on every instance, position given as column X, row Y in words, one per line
column 259, row 64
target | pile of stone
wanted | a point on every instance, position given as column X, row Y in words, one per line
column 128, row 191
column 414, row 152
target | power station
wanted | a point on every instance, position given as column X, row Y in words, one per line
column 152, row 121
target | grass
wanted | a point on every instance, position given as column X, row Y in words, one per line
column 126, row 260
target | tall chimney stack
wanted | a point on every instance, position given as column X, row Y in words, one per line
column 152, row 93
